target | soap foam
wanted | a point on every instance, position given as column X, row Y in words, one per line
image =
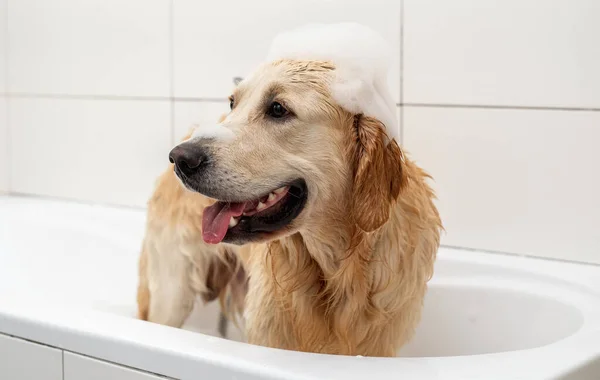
column 362, row 60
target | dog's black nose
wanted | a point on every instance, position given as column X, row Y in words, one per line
column 188, row 158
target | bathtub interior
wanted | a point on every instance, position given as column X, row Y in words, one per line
column 87, row 256
column 466, row 320
column 461, row 320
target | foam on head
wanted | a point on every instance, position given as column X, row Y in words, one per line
column 362, row 60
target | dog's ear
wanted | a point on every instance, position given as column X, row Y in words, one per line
column 379, row 173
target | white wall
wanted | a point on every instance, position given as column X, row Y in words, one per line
column 502, row 105
column 3, row 115
column 500, row 101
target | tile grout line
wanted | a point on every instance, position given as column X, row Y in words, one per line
column 5, row 48
column 171, row 71
column 19, row 95
column 513, row 254
column 401, row 110
column 143, row 209
column 8, row 133
column 76, row 353
column 141, row 371
column 23, row 95
column 65, row 199
column 201, row 99
column 9, row 155
column 500, row 107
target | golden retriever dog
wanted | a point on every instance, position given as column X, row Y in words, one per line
column 321, row 212
column 339, row 226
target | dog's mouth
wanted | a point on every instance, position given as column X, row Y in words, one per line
column 256, row 219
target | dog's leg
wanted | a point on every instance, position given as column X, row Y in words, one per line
column 143, row 293
column 226, row 281
column 223, row 324
column 170, row 296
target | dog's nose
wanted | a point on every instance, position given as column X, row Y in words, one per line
column 188, row 158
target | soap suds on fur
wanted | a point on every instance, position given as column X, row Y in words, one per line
column 362, row 59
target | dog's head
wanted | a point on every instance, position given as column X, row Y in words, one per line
column 287, row 154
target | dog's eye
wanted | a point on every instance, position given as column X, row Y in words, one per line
column 276, row 110
column 231, row 102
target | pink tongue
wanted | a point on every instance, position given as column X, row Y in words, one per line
column 215, row 220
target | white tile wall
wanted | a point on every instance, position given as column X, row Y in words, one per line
column 218, row 40
column 3, row 122
column 106, row 151
column 521, row 181
column 509, row 179
column 78, row 367
column 187, row 115
column 92, row 47
column 4, row 157
column 3, row 48
column 22, row 360
column 511, row 52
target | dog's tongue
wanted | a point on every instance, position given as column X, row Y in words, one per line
column 215, row 220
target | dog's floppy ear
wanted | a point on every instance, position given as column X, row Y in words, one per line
column 379, row 173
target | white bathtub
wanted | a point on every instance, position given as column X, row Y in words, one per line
column 68, row 275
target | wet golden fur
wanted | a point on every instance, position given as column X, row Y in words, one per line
column 348, row 276
column 176, row 265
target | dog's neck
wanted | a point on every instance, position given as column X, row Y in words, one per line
column 327, row 246
column 336, row 249
column 328, row 236
column 324, row 269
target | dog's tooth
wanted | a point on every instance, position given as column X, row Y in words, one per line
column 260, row 206
column 271, row 197
column 280, row 190
column 233, row 222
